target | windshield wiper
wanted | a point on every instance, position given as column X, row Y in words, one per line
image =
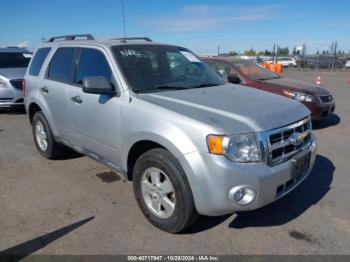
column 263, row 79
column 204, row 85
column 160, row 88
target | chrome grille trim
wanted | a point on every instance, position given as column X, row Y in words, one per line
column 326, row 98
column 282, row 149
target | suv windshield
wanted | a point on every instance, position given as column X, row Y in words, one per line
column 153, row 68
column 11, row 60
column 254, row 71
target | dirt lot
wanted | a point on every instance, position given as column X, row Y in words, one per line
column 75, row 206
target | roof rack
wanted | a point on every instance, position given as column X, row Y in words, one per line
column 124, row 39
column 71, row 37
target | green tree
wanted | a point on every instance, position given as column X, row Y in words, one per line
column 282, row 51
column 232, row 53
column 267, row 53
column 250, row 52
column 295, row 51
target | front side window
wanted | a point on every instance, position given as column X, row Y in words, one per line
column 254, row 71
column 14, row 59
column 223, row 69
column 62, row 65
column 38, row 60
column 92, row 62
column 152, row 68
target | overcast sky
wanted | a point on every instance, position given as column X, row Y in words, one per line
column 198, row 25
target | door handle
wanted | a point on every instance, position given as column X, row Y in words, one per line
column 76, row 99
column 44, row 90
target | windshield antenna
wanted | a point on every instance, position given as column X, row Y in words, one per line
column 123, row 14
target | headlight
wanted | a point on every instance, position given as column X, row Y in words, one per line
column 3, row 82
column 239, row 148
column 300, row 96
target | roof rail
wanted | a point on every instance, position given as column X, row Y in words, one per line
column 124, row 39
column 71, row 37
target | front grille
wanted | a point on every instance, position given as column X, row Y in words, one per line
column 17, row 83
column 326, row 98
column 285, row 142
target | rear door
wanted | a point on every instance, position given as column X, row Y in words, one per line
column 55, row 85
column 95, row 119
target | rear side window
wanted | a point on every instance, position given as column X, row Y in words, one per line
column 62, row 65
column 92, row 62
column 38, row 60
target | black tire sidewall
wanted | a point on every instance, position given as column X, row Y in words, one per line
column 39, row 116
column 184, row 204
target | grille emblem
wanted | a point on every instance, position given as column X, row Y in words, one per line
column 296, row 138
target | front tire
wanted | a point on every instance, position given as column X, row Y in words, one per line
column 44, row 139
column 162, row 191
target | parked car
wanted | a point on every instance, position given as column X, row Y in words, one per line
column 347, row 64
column 160, row 116
column 284, row 61
column 315, row 97
column 13, row 65
column 320, row 62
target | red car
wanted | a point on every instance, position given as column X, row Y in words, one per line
column 315, row 97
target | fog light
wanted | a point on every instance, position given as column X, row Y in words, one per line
column 242, row 195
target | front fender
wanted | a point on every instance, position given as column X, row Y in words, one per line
column 175, row 141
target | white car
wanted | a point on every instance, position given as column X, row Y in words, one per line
column 284, row 61
column 347, row 64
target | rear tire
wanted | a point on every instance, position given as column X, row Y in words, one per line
column 158, row 176
column 44, row 139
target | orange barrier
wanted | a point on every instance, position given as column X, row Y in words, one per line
column 277, row 68
column 319, row 80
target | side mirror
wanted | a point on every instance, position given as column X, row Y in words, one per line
column 97, row 85
column 234, row 79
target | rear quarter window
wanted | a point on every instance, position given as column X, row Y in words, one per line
column 38, row 60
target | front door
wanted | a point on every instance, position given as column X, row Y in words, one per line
column 95, row 119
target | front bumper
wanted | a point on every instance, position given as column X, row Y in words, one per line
column 10, row 97
column 211, row 178
column 321, row 110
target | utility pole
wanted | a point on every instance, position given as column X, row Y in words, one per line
column 334, row 54
column 123, row 16
column 330, row 56
column 218, row 50
column 304, row 53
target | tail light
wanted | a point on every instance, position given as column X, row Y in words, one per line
column 24, row 87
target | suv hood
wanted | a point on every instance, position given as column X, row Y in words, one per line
column 231, row 109
column 308, row 87
column 13, row 73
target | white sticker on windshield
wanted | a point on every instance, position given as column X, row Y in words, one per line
column 27, row 55
column 190, row 57
column 129, row 52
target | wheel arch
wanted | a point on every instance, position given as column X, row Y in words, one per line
column 142, row 145
column 32, row 109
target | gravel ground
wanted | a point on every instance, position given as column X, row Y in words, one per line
column 77, row 206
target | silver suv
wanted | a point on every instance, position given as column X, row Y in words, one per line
column 154, row 112
column 13, row 65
